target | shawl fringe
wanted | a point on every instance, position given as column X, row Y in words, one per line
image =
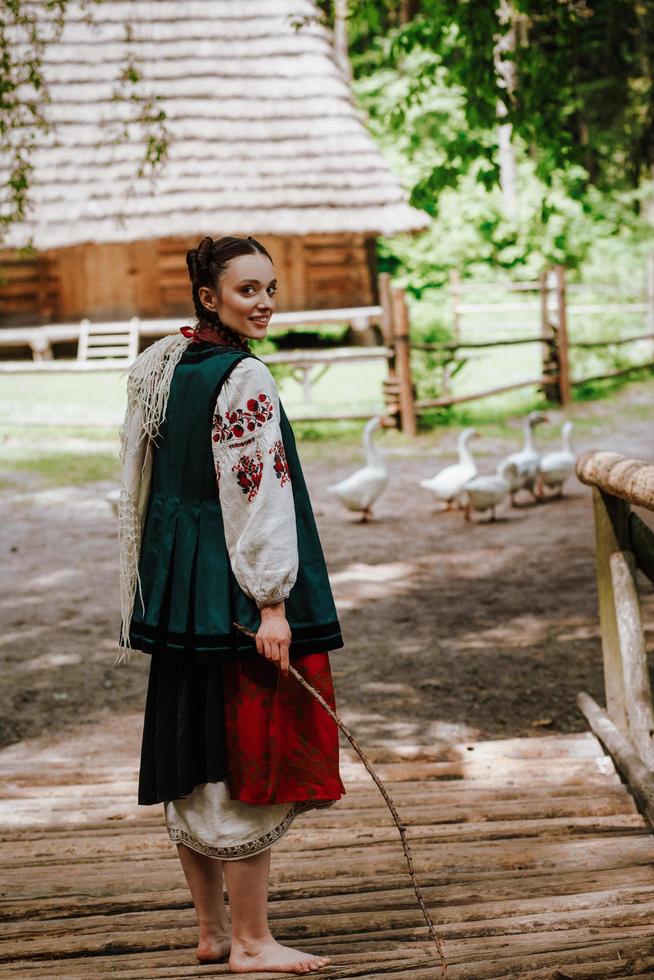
column 148, row 386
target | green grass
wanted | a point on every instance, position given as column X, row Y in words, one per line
column 61, row 468
column 74, row 401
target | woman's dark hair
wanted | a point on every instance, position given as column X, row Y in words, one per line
column 208, row 261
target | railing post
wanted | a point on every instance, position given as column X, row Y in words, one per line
column 638, row 691
column 606, row 544
column 403, row 360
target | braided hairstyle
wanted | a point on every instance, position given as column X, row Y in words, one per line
column 206, row 264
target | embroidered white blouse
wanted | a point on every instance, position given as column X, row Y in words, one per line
column 254, row 484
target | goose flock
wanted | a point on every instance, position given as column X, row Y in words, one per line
column 541, row 475
column 527, row 471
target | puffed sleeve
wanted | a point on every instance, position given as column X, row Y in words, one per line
column 254, row 483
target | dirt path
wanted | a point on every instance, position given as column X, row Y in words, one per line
column 451, row 631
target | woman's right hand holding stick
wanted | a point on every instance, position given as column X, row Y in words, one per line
column 274, row 635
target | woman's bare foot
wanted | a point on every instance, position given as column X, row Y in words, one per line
column 270, row 956
column 213, row 949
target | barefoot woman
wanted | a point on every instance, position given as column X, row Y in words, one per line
column 216, row 527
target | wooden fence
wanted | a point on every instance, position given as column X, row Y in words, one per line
column 122, row 338
column 624, row 543
column 552, row 309
column 400, row 404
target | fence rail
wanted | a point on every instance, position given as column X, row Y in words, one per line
column 401, row 404
column 623, row 544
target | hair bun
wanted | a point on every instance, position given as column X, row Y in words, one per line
column 192, row 263
column 205, row 252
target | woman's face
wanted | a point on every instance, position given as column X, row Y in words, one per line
column 246, row 290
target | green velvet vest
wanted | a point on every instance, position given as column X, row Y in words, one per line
column 190, row 594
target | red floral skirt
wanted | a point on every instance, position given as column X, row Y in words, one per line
column 280, row 743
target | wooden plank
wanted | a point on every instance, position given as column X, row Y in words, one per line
column 437, row 862
column 313, row 841
column 26, row 821
column 572, row 745
column 466, row 962
column 169, row 891
column 469, row 768
column 344, row 913
column 175, row 928
column 566, row 770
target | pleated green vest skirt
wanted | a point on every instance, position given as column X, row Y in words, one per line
column 190, row 595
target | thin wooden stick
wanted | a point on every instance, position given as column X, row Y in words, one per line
column 382, row 789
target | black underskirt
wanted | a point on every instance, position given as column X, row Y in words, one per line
column 183, row 741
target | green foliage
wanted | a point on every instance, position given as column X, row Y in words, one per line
column 583, row 94
column 421, row 119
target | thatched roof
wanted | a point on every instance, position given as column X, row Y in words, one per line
column 264, row 131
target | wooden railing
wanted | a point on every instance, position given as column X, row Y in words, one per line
column 624, row 543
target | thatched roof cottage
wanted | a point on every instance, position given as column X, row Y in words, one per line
column 265, row 139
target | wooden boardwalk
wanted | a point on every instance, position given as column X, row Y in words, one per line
column 534, row 862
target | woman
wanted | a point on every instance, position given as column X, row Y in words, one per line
column 217, row 529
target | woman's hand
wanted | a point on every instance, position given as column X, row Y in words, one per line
column 274, row 635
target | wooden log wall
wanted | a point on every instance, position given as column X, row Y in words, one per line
column 149, row 278
column 27, row 289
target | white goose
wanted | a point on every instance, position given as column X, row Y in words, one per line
column 555, row 468
column 113, row 497
column 359, row 491
column 526, row 460
column 486, row 491
column 446, row 485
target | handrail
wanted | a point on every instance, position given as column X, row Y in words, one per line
column 629, row 479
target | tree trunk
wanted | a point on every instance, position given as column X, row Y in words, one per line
column 341, row 47
column 506, row 79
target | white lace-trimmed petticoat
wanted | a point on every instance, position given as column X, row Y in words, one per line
column 209, row 822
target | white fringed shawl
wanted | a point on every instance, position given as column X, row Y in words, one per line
column 148, row 386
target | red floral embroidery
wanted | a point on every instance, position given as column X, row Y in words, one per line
column 248, row 473
column 281, row 464
column 236, row 424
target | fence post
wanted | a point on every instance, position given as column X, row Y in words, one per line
column 390, row 384
column 555, row 334
column 455, row 292
column 549, row 359
column 562, row 337
column 403, row 360
column 649, row 275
